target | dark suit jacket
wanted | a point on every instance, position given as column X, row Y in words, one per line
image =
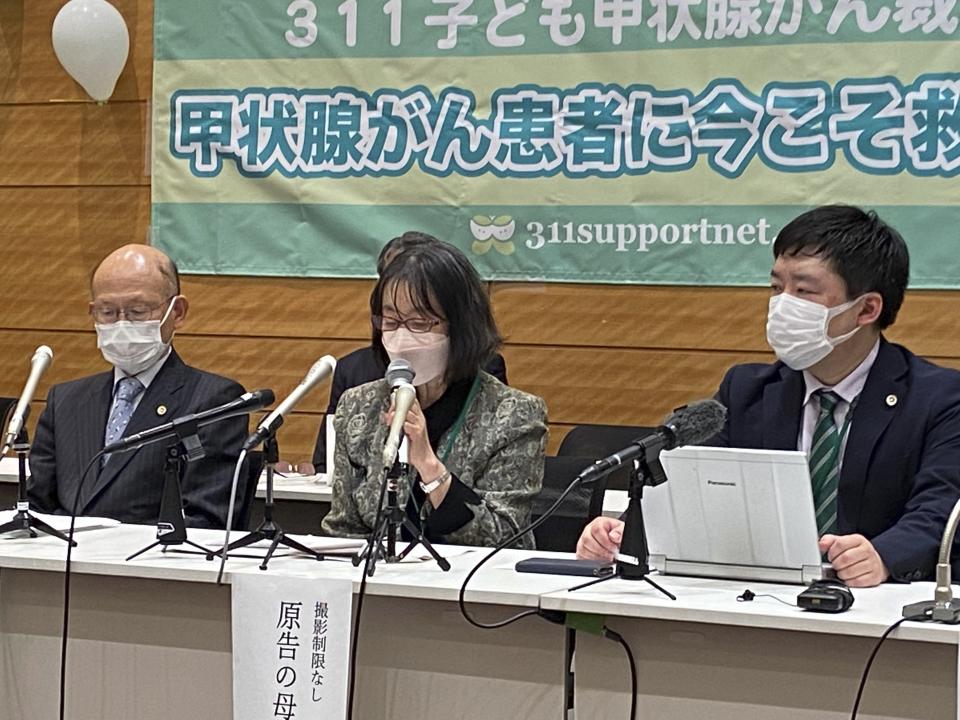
column 901, row 467
column 128, row 488
column 363, row 366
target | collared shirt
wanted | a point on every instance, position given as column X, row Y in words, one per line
column 848, row 389
column 144, row 376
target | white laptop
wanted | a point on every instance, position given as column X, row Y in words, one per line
column 733, row 513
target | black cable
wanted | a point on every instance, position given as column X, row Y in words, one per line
column 617, row 637
column 507, row 543
column 748, row 596
column 66, row 586
column 360, row 594
column 876, row 649
column 779, row 600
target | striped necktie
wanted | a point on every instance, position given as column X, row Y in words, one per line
column 825, row 462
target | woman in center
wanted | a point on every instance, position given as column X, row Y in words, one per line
column 475, row 446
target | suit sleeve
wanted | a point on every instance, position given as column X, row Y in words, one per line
column 910, row 547
column 498, row 368
column 42, row 485
column 503, row 490
column 206, row 483
column 722, row 396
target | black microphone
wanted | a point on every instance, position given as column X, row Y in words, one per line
column 688, row 425
column 244, row 404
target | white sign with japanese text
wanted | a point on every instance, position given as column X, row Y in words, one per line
column 291, row 647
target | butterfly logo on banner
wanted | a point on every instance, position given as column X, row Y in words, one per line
column 493, row 231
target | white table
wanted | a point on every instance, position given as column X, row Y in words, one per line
column 151, row 639
column 307, row 488
column 302, row 499
column 313, row 488
column 9, row 470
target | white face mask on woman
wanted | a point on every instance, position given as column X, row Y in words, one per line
column 133, row 346
column 426, row 352
column 797, row 330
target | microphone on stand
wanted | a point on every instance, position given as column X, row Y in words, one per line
column 244, row 404
column 38, row 365
column 688, row 425
column 400, row 376
column 318, row 372
column 943, row 608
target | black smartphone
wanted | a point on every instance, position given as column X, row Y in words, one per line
column 565, row 566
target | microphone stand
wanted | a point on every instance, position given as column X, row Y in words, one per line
column 633, row 561
column 268, row 529
column 944, row 608
column 171, row 528
column 23, row 520
column 394, row 518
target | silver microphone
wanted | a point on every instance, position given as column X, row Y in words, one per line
column 38, row 365
column 320, row 370
column 400, row 376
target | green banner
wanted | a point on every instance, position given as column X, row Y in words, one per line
column 647, row 141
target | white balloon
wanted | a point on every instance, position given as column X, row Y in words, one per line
column 91, row 41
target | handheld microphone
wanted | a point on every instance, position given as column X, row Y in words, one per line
column 244, row 404
column 318, row 372
column 400, row 376
column 38, row 365
column 688, row 425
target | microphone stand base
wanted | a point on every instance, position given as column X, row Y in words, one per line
column 947, row 613
column 23, row 520
column 268, row 530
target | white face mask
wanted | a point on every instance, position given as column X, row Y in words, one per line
column 133, row 346
column 426, row 352
column 797, row 330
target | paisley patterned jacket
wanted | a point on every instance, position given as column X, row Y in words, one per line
column 498, row 453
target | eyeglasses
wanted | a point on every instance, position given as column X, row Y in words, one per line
column 107, row 314
column 385, row 323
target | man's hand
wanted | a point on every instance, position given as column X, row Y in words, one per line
column 854, row 558
column 600, row 539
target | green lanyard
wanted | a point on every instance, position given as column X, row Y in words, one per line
column 458, row 424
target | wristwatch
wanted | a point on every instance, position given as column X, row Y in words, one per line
column 434, row 484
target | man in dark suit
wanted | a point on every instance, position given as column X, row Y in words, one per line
column 137, row 307
column 881, row 426
column 366, row 365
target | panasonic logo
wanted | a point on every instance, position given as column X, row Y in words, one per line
column 718, row 482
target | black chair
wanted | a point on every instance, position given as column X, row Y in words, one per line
column 6, row 409
column 596, row 442
column 561, row 530
column 241, row 520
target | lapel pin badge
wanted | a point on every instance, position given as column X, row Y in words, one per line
column 891, row 400
column 162, row 409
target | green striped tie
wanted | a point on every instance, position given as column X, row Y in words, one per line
column 825, row 463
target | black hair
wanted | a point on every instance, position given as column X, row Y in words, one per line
column 443, row 284
column 411, row 238
column 867, row 254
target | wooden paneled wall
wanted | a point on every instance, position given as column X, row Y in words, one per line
column 74, row 184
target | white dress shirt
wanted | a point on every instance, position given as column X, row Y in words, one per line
column 144, row 376
column 847, row 389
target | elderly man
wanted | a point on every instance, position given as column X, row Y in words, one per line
column 136, row 307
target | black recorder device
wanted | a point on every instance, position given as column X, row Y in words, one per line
column 829, row 596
